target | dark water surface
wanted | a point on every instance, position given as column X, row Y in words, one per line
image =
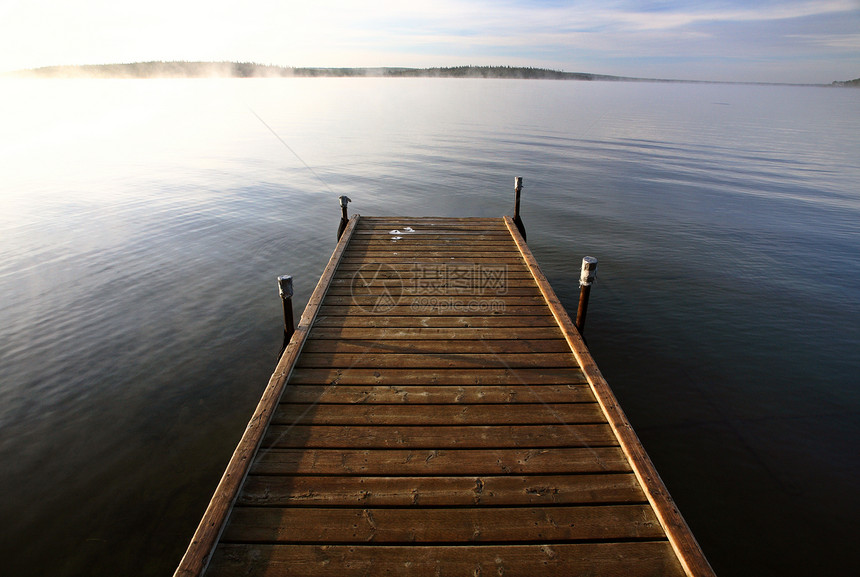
column 143, row 223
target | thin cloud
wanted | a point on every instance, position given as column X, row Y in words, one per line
column 842, row 41
column 740, row 13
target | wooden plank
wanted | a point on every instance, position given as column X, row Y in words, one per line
column 420, row 258
column 436, row 361
column 387, row 226
column 485, row 491
column 413, row 287
column 385, row 278
column 425, row 254
column 412, row 258
column 436, row 277
column 518, row 276
column 437, row 461
column 442, row 525
column 438, row 437
column 435, row 346
column 409, row 228
column 426, row 415
column 464, row 243
column 405, row 224
column 370, row 321
column 409, row 300
column 431, row 233
column 412, row 261
column 421, row 286
column 440, row 307
column 425, row 333
column 427, row 236
column 393, row 298
column 491, row 220
column 431, row 270
column 677, row 530
column 431, row 228
column 478, row 377
column 420, row 244
column 412, row 245
column 410, row 248
column 214, row 518
column 360, row 260
column 636, row 559
column 438, row 394
column 408, row 217
column 413, row 249
column 412, row 268
column 418, row 251
column 443, row 236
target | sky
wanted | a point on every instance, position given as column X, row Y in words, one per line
column 807, row 41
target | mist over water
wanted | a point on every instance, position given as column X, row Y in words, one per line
column 143, row 224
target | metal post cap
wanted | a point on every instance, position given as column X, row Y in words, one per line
column 285, row 286
column 343, row 200
column 589, row 271
column 518, row 183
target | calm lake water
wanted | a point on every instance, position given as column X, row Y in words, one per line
column 143, row 224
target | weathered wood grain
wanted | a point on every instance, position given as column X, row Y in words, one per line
column 449, row 234
column 438, row 394
column 429, row 415
column 472, row 491
column 466, row 303
column 422, row 253
column 428, row 333
column 435, row 346
column 443, row 377
column 438, row 307
column 436, row 361
column 430, row 263
column 418, row 245
column 438, row 461
column 438, row 437
column 377, row 288
column 429, row 525
column 428, row 321
column 637, row 559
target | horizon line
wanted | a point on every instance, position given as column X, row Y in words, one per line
column 234, row 69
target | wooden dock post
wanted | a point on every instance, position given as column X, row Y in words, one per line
column 518, row 187
column 344, row 219
column 285, row 288
column 586, row 278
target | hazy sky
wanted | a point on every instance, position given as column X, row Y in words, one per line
column 765, row 40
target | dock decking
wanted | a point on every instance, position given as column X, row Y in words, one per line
column 437, row 413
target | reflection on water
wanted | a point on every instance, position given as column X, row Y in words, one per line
column 143, row 223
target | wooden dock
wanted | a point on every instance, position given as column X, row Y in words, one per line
column 437, row 413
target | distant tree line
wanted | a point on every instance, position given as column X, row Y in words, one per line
column 848, row 83
column 493, row 72
column 183, row 69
